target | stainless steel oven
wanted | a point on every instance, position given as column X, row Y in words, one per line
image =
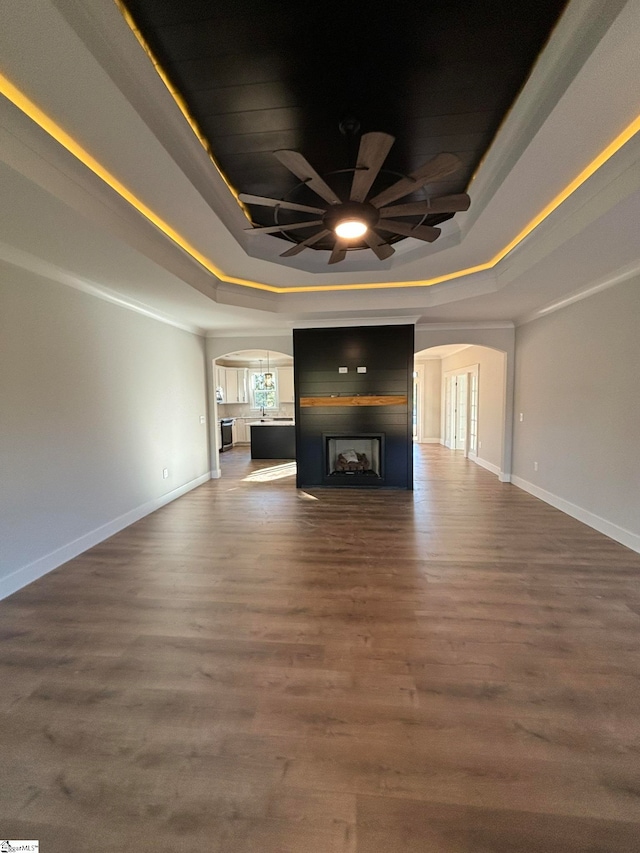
column 226, row 433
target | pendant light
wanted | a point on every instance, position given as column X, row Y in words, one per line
column 268, row 376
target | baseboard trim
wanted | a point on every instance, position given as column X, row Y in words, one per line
column 484, row 464
column 430, row 441
column 613, row 531
column 215, row 475
column 32, row 571
column 504, row 478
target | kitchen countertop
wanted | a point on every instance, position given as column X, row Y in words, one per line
column 270, row 422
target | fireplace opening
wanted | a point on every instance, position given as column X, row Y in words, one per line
column 354, row 456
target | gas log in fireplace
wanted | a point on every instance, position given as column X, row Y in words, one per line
column 354, row 399
column 349, row 458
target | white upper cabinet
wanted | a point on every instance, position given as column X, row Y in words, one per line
column 242, row 384
column 233, row 381
column 220, row 384
column 285, row 380
column 236, row 384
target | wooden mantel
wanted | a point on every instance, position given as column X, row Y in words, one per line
column 356, row 400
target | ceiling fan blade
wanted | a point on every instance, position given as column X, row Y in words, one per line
column 274, row 202
column 421, row 232
column 437, row 168
column 382, row 250
column 273, row 229
column 372, row 153
column 444, row 204
column 299, row 247
column 301, row 168
column 339, row 252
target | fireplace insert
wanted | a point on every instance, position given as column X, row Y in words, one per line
column 353, row 459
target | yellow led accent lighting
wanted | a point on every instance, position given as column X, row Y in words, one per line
column 180, row 101
column 69, row 143
column 23, row 103
column 628, row 133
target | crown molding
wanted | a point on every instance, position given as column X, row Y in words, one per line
column 618, row 277
column 319, row 323
column 31, row 263
column 452, row 327
column 345, row 322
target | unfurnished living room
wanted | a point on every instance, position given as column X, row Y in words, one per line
column 320, row 426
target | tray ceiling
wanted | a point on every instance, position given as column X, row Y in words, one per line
column 108, row 189
column 258, row 76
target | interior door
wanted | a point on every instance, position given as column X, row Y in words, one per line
column 461, row 411
column 449, row 411
column 456, row 408
column 417, row 406
column 472, row 443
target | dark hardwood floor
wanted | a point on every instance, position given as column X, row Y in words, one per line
column 253, row 668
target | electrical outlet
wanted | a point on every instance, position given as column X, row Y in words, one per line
column 165, row 473
column 343, row 370
column 535, row 466
column 202, row 419
column 479, row 445
column 521, row 416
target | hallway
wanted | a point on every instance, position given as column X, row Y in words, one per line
column 254, row 669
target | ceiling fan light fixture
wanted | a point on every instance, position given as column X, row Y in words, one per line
column 357, row 220
column 351, row 229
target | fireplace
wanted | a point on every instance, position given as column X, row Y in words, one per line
column 354, row 388
column 353, row 458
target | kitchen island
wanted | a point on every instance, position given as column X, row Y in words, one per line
column 272, row 438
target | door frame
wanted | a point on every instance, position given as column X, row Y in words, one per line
column 418, row 390
column 446, row 420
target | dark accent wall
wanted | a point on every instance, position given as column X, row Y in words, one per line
column 387, row 353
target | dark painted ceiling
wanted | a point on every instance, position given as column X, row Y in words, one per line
column 260, row 75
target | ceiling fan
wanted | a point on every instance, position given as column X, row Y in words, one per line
column 359, row 219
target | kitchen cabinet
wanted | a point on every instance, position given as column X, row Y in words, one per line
column 273, row 439
column 236, row 384
column 221, row 384
column 285, row 379
column 233, row 381
column 241, row 384
column 240, row 435
column 231, row 376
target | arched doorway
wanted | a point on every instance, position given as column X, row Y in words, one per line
column 464, row 402
column 248, row 385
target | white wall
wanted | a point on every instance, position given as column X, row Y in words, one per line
column 95, row 401
column 577, row 374
column 431, row 387
column 491, row 400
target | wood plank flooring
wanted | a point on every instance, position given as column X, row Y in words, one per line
column 254, row 669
